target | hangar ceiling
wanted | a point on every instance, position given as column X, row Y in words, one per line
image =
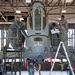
column 53, row 8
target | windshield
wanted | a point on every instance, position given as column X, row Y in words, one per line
column 37, row 19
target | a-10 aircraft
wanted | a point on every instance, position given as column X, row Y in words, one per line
column 38, row 44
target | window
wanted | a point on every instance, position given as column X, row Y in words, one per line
column 3, row 37
column 71, row 38
column 30, row 19
column 37, row 39
column 37, row 19
column 0, row 39
column 44, row 18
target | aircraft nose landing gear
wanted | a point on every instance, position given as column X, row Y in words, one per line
column 39, row 59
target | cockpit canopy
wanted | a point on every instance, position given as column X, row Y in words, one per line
column 37, row 16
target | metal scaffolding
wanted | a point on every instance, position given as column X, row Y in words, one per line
column 11, row 53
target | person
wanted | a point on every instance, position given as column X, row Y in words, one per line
column 54, row 32
column 31, row 69
column 63, row 26
column 14, row 31
column 22, row 29
column 55, row 29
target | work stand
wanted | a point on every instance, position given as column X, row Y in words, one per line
column 12, row 57
column 10, row 67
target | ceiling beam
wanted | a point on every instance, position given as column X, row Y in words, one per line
column 71, row 4
column 50, row 2
column 60, row 7
column 25, row 5
column 63, row 13
column 12, row 14
column 26, row 14
column 3, row 17
column 52, row 7
column 29, row 7
column 46, row 2
column 11, row 5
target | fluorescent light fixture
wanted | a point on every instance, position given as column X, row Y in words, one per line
column 28, row 1
column 63, row 11
column 57, row 60
column 64, row 60
column 59, row 19
column 69, row 1
column 21, row 19
column 18, row 11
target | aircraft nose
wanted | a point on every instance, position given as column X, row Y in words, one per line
column 39, row 58
column 38, row 49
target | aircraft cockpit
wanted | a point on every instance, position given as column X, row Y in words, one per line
column 38, row 30
column 37, row 17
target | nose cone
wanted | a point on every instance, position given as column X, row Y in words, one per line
column 37, row 52
column 38, row 49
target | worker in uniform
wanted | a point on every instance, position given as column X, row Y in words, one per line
column 15, row 31
column 63, row 26
column 54, row 33
column 22, row 31
column 31, row 68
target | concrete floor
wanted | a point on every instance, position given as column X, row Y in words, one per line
column 45, row 73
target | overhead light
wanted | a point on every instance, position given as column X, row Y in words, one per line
column 28, row 1
column 63, row 11
column 18, row 11
column 59, row 19
column 21, row 19
column 64, row 60
column 69, row 1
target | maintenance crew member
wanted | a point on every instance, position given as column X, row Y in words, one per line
column 22, row 29
column 14, row 31
column 63, row 25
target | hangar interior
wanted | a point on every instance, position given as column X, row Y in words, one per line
column 11, row 61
